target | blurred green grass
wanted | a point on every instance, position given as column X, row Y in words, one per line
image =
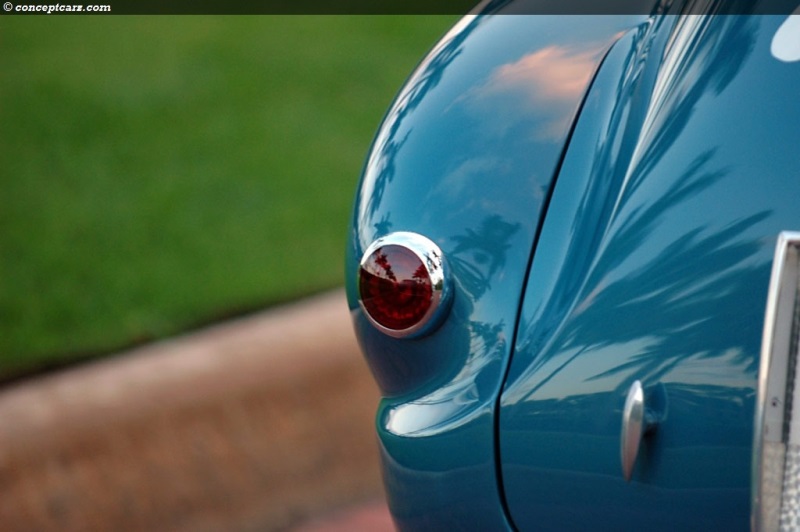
column 159, row 173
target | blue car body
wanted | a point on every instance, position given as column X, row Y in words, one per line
column 607, row 191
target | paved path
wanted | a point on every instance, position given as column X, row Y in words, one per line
column 259, row 424
column 369, row 517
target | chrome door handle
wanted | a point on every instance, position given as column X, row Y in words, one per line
column 633, row 426
column 639, row 419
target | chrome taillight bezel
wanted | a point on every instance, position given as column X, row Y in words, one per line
column 431, row 256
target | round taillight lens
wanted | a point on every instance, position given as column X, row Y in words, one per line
column 402, row 285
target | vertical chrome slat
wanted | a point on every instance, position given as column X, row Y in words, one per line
column 776, row 444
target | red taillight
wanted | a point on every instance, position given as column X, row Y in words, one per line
column 401, row 284
column 395, row 287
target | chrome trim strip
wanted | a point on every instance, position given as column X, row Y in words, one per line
column 770, row 436
column 432, row 257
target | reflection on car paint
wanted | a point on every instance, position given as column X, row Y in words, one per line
column 786, row 42
column 653, row 265
column 492, row 177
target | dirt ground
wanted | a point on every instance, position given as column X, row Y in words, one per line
column 264, row 423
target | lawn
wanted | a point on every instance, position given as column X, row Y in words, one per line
column 160, row 173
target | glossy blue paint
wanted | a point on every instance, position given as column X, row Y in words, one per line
column 653, row 264
column 466, row 157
